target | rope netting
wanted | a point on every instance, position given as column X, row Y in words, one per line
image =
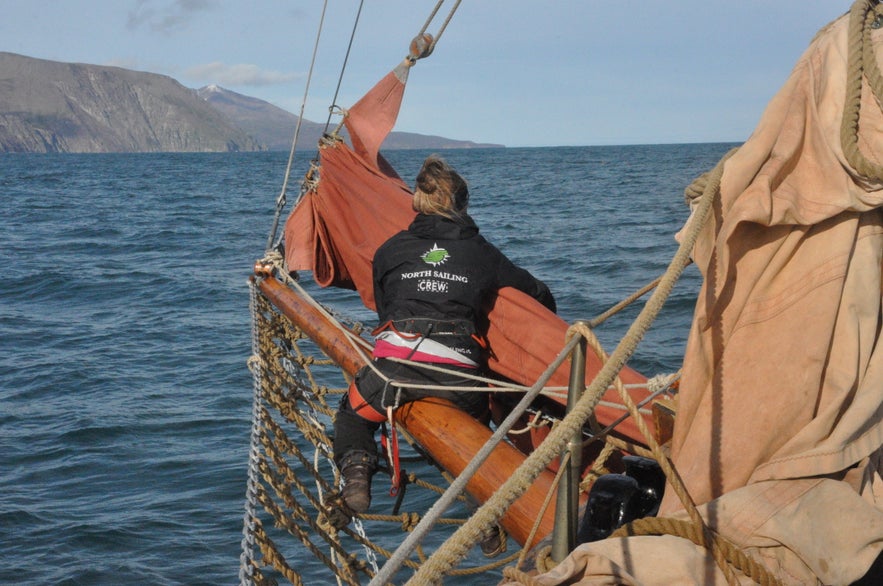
column 294, row 486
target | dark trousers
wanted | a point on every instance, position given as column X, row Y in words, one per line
column 352, row 432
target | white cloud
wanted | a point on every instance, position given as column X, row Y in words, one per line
column 243, row 74
column 168, row 16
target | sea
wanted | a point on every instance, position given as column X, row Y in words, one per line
column 125, row 399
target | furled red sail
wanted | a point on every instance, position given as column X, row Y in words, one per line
column 360, row 201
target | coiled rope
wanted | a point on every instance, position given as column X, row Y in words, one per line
column 731, row 553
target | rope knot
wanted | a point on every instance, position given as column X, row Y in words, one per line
column 661, row 382
column 579, row 329
column 543, row 560
column 583, row 329
column 409, row 521
column 256, row 364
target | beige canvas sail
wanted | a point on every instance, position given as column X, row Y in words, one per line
column 779, row 426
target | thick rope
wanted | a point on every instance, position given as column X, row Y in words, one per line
column 430, row 18
column 423, row 45
column 861, row 63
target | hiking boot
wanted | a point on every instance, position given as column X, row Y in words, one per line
column 357, row 467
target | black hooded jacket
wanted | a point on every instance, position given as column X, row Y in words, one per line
column 443, row 269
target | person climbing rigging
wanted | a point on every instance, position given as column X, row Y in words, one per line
column 432, row 285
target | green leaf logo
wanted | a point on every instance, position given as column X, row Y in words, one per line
column 435, row 256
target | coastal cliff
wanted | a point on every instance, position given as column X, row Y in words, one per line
column 50, row 106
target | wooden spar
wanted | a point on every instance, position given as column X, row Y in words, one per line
column 456, row 438
column 315, row 324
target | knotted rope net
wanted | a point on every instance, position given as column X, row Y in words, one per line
column 293, row 488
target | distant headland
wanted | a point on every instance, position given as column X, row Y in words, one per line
column 51, row 106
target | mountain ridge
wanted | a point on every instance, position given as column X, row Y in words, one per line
column 52, row 106
column 274, row 127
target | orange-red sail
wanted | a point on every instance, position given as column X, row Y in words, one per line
column 360, row 202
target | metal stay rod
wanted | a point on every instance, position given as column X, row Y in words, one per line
column 567, row 508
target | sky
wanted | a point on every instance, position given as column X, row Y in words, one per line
column 510, row 72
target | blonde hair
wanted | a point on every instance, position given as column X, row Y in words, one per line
column 440, row 190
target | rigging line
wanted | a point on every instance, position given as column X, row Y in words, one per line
column 280, row 200
column 433, row 41
column 604, row 432
column 601, row 318
column 443, row 26
column 431, row 17
column 343, row 67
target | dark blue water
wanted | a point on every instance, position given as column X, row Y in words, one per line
column 125, row 400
